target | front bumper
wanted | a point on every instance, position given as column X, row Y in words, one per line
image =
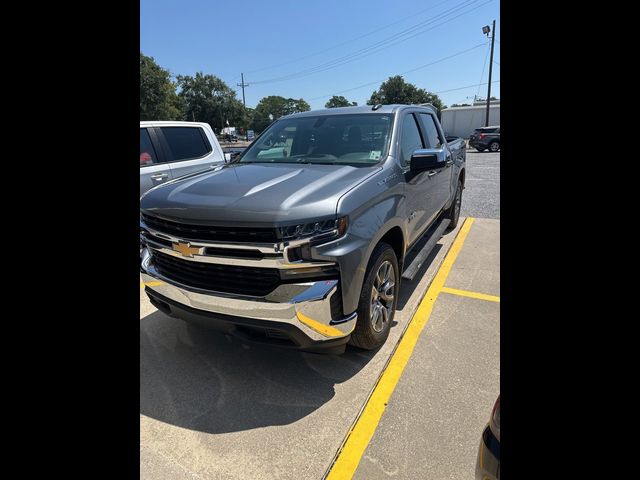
column 297, row 314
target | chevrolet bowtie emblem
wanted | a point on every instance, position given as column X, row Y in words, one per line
column 185, row 249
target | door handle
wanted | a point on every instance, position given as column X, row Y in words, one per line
column 160, row 176
column 431, row 173
column 449, row 162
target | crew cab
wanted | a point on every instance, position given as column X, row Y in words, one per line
column 169, row 150
column 302, row 239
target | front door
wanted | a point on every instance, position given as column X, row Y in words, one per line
column 189, row 149
column 418, row 186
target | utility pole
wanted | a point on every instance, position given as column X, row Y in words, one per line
column 493, row 40
column 244, row 112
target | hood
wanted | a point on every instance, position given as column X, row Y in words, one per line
column 255, row 193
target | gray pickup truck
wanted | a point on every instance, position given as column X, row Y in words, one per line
column 301, row 241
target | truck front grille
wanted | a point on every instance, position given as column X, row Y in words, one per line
column 188, row 231
column 215, row 277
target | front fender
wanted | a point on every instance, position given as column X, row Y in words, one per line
column 375, row 207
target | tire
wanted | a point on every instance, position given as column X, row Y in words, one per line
column 480, row 149
column 372, row 331
column 453, row 213
column 494, row 146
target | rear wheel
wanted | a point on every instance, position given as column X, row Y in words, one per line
column 480, row 149
column 494, row 146
column 453, row 212
column 378, row 299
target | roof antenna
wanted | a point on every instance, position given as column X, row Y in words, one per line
column 376, row 106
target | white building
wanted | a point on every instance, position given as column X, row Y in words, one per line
column 462, row 121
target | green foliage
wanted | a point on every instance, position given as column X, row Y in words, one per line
column 339, row 101
column 158, row 99
column 276, row 106
column 206, row 98
column 396, row 90
column 461, row 105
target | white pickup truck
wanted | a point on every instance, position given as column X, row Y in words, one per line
column 170, row 150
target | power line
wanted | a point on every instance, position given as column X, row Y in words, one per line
column 402, row 73
column 468, row 86
column 371, row 49
column 348, row 41
column 381, row 45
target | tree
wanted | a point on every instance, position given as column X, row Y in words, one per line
column 460, row 105
column 207, row 98
column 277, row 107
column 295, row 106
column 158, row 99
column 339, row 101
column 396, row 90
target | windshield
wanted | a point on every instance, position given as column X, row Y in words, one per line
column 359, row 140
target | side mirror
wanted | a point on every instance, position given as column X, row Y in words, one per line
column 427, row 159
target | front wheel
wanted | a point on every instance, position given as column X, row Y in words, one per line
column 378, row 299
column 494, row 147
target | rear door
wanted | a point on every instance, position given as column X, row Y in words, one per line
column 441, row 178
column 154, row 170
column 188, row 148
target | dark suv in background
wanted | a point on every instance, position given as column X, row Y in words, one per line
column 486, row 138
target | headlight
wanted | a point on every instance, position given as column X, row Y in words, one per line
column 298, row 239
column 328, row 228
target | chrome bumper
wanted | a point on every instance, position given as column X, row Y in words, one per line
column 307, row 306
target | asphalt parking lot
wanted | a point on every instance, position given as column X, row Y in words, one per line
column 212, row 407
column 482, row 193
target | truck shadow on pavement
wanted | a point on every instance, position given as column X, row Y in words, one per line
column 203, row 380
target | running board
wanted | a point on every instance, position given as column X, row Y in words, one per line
column 417, row 262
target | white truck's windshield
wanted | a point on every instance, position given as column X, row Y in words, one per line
column 354, row 139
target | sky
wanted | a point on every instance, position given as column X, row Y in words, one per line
column 315, row 49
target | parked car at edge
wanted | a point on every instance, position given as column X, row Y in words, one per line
column 488, row 463
column 170, row 150
column 301, row 241
column 485, row 138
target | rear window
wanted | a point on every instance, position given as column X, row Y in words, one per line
column 186, row 142
column 433, row 137
column 487, row 130
column 147, row 153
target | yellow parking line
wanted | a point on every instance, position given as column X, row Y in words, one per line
column 357, row 439
column 150, row 284
column 467, row 293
